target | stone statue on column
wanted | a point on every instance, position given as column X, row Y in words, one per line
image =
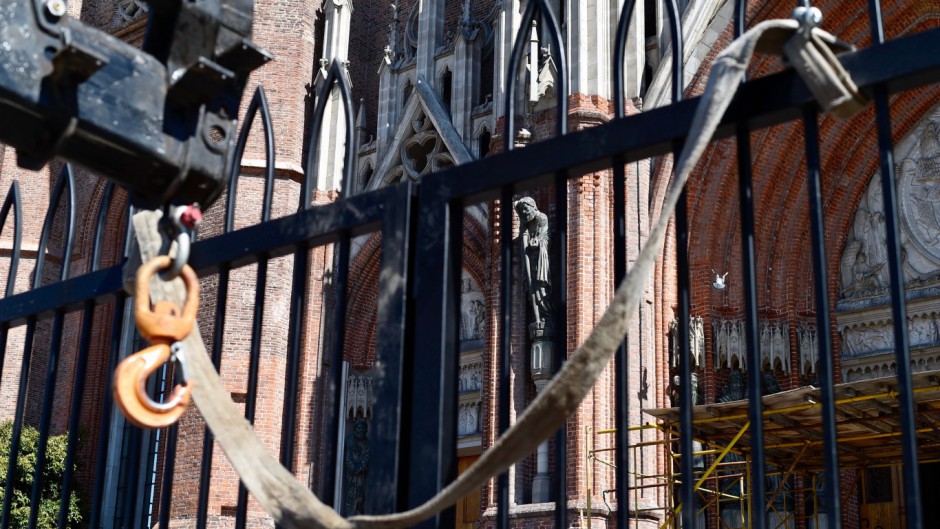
column 536, row 267
column 536, row 272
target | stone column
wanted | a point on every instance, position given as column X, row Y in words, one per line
column 542, row 366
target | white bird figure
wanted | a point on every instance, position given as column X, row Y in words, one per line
column 719, row 283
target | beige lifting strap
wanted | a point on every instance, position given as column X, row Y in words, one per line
column 292, row 505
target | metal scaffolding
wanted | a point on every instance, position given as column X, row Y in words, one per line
column 868, row 437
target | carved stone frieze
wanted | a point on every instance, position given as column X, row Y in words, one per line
column 730, row 346
column 470, row 377
column 878, row 336
column 884, row 365
column 470, row 401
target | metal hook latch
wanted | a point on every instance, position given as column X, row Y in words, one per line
column 165, row 325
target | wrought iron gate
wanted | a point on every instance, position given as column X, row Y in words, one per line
column 414, row 427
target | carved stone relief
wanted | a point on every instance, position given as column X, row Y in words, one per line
column 919, row 191
column 696, row 342
column 470, row 402
column 863, row 265
column 472, row 310
column 470, row 377
column 468, row 418
column 878, row 337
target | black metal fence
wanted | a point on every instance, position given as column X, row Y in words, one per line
column 414, row 425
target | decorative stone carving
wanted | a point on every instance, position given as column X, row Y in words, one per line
column 470, row 376
column 919, row 190
column 696, row 342
column 863, row 265
column 883, row 365
column 878, row 337
column 468, row 419
column 809, row 348
column 128, row 10
column 472, row 311
column 423, row 152
column 359, row 396
column 775, row 346
column 729, row 344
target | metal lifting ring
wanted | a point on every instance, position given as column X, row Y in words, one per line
column 177, row 225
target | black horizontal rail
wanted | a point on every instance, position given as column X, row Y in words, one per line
column 900, row 65
column 316, row 226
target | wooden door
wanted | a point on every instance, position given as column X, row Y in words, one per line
column 468, row 509
column 881, row 498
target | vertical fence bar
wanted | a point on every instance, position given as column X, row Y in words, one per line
column 823, row 323
column 394, row 336
column 81, row 366
column 259, row 103
column 431, row 462
column 505, row 260
column 97, row 499
column 560, row 260
column 12, row 202
column 63, row 186
column 622, row 359
column 686, row 494
column 896, row 283
column 335, row 76
column 505, row 349
column 902, row 351
column 757, row 485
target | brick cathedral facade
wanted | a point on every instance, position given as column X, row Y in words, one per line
column 428, row 82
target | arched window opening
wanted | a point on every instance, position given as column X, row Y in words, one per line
column 483, row 143
column 406, row 93
column 486, row 66
column 447, row 89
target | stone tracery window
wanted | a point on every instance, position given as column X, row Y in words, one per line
column 424, row 151
column 128, row 10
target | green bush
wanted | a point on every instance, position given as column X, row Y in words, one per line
column 23, row 479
